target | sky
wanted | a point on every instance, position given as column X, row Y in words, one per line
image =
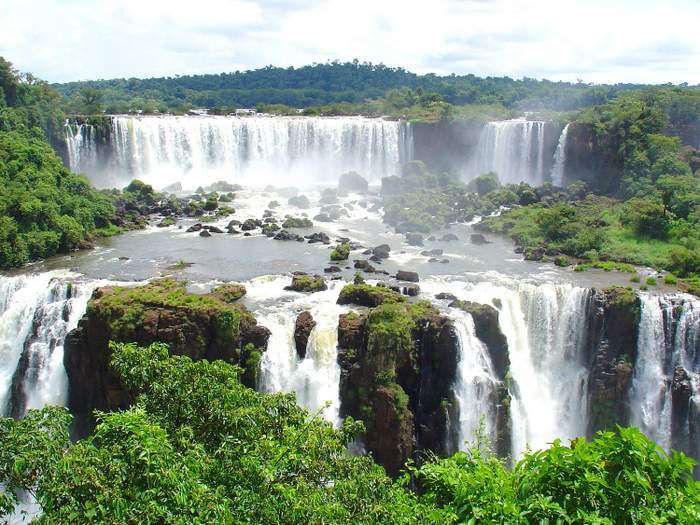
column 641, row 41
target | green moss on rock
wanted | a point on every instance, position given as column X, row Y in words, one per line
column 368, row 295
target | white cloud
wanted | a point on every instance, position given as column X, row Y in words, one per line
column 599, row 41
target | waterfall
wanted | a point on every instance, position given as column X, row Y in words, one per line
column 82, row 146
column 36, row 314
column 513, row 149
column 558, row 170
column 315, row 379
column 196, row 150
column 476, row 384
column 668, row 348
column 546, row 327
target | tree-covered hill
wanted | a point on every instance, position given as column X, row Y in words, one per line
column 329, row 83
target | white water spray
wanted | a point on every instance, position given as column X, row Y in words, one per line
column 284, row 151
column 316, row 378
column 513, row 149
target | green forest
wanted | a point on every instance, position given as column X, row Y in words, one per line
column 198, row 447
column 335, row 86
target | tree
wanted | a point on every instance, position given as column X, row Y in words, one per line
column 91, row 100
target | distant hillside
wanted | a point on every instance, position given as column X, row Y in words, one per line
column 329, row 83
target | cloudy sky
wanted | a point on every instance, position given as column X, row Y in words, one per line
column 598, row 41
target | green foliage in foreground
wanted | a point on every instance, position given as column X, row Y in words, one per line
column 198, row 447
column 616, row 479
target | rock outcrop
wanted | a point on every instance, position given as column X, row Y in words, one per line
column 398, row 364
column 303, row 326
column 211, row 326
column 614, row 326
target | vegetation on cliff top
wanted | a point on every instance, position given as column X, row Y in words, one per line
column 198, row 447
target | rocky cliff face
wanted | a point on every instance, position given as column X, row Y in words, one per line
column 199, row 326
column 445, row 146
column 591, row 161
column 614, row 326
column 398, row 365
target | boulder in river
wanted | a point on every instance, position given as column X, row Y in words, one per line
column 405, row 275
column 302, row 330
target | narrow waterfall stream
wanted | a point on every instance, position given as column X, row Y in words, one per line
column 665, row 394
column 315, row 378
column 558, row 170
column 36, row 313
column 476, row 383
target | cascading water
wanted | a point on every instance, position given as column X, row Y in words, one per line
column 558, row 170
column 513, row 149
column 315, row 379
column 257, row 150
column 476, row 384
column 546, row 328
column 36, row 313
column 82, row 147
column 668, row 359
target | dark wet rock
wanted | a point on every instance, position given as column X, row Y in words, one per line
column 332, row 269
column 204, row 233
column 411, row 290
column 534, row 254
column 414, row 239
column 365, row 266
column 247, row 234
column 233, row 231
column 449, row 237
column 318, row 238
column 405, row 275
column 432, row 253
column 194, row 228
column 497, row 302
column 214, row 229
column 300, row 201
column 305, row 283
column 352, row 182
column 478, row 238
column 302, row 330
column 233, row 223
column 408, row 227
column 270, row 229
column 284, row 235
column 270, row 220
column 273, row 204
column 382, row 251
column 445, row 296
column 251, row 224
